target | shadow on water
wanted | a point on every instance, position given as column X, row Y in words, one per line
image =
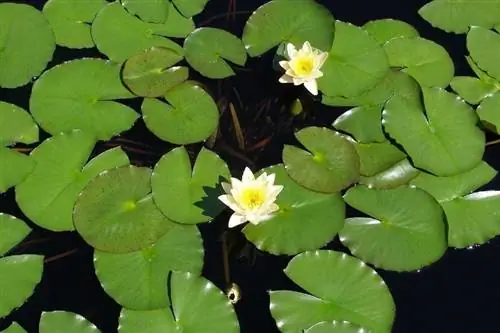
column 460, row 293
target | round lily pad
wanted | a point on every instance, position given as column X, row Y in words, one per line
column 78, row 95
column 20, row 276
column 342, row 288
column 471, row 89
column 27, row 44
column 190, row 8
column 336, row 327
column 190, row 114
column 407, row 231
column 384, row 30
column 330, row 163
column 16, row 125
column 14, row 328
column 63, row 322
column 306, row 220
column 12, row 232
column 70, row 21
column 276, row 22
column 152, row 11
column 207, row 50
column 62, row 180
column 116, row 212
column 138, row 280
column 154, row 321
column 14, row 168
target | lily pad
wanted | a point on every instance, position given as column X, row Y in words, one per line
column 190, row 8
column 207, row 50
column 27, row 44
column 330, row 163
column 20, row 276
column 120, row 35
column 306, row 220
column 342, row 288
column 489, row 112
column 154, row 321
column 363, row 123
column 63, row 322
column 336, row 327
column 406, row 230
column 71, row 20
column 138, row 280
column 12, row 232
column 62, row 180
column 276, row 22
column 186, row 194
column 16, row 125
column 443, row 139
column 377, row 157
column 471, row 89
column 397, row 175
column 149, row 74
column 485, row 57
column 116, row 212
column 356, row 62
column 78, row 95
column 14, row 168
column 189, row 116
column 14, row 328
column 384, row 30
column 152, row 11
column 426, row 61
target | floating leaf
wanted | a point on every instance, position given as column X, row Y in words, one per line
column 14, row 168
column 426, row 61
column 336, row 327
column 12, row 232
column 330, row 163
column 377, row 157
column 116, row 212
column 190, row 114
column 398, row 175
column 356, row 63
column 20, row 276
column 27, row 44
column 149, row 74
column 154, row 321
column 70, row 21
column 190, row 8
column 120, row 35
column 489, row 112
column 276, row 22
column 485, row 57
column 152, row 11
column 458, row 15
column 384, row 30
column 363, row 123
column 483, row 76
column 207, row 49
column 138, row 280
column 472, row 89
column 189, row 195
column 343, row 288
column 78, row 95
column 306, row 220
column 406, row 231
column 16, row 125
column 62, row 180
column 444, row 140
column 14, row 328
column 63, row 322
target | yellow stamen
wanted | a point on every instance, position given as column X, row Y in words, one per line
column 252, row 197
column 302, row 66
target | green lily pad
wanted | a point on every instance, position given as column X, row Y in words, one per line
column 186, row 194
column 154, row 321
column 363, row 123
column 190, row 8
column 120, row 35
column 443, row 139
column 489, row 112
column 116, row 212
column 482, row 75
column 336, row 327
column 343, row 288
column 12, row 232
column 78, row 95
column 27, row 44
column 356, row 63
column 330, row 163
column 62, row 180
column 406, row 231
column 485, row 57
column 458, row 15
column 149, row 74
column 471, row 89
column 152, row 11
column 20, row 276
column 377, row 157
column 138, row 280
column 14, row 328
column 189, row 116
column 397, row 175
column 70, row 21
column 384, row 30
column 426, row 61
column 14, row 168
column 306, row 220
column 276, row 22
column 207, row 50
column 63, row 322
column 16, row 125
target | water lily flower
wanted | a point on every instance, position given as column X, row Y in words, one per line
column 303, row 66
column 251, row 199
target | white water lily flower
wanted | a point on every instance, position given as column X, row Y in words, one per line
column 303, row 66
column 251, row 199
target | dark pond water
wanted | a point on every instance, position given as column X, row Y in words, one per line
column 460, row 293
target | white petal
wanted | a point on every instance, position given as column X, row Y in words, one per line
column 276, row 190
column 284, row 64
column 321, row 59
column 262, row 177
column 247, row 175
column 270, row 178
column 298, row 81
column 273, row 208
column 286, row 79
column 226, row 186
column 235, row 183
column 307, row 47
column 291, row 50
column 228, row 200
column 312, row 86
column 236, row 220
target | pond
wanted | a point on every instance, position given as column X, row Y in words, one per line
column 458, row 293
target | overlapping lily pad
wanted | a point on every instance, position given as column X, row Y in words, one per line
column 384, row 30
column 152, row 11
column 190, row 8
column 483, row 56
column 342, row 288
column 330, row 163
column 363, row 123
column 16, row 125
column 27, row 44
column 336, row 327
column 306, row 220
column 14, row 168
column 14, row 328
column 399, row 174
column 79, row 95
column 12, row 232
column 471, row 89
column 377, row 157
column 64, row 322
column 276, row 22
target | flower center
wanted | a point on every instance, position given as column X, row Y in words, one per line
column 252, row 197
column 303, row 66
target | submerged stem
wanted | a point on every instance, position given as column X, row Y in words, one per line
column 494, row 142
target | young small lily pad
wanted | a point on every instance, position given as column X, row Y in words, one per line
column 64, row 322
column 336, row 327
column 12, row 232
column 152, row 11
column 14, row 328
column 14, row 168
column 473, row 90
column 189, row 8
column 384, row 30
column 16, row 125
